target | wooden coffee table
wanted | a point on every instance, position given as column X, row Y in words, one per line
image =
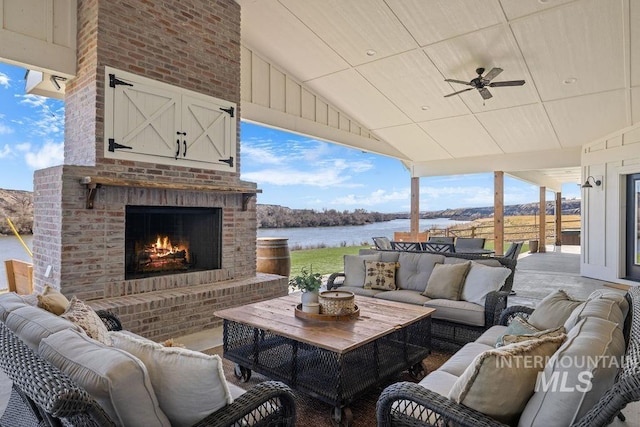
column 333, row 361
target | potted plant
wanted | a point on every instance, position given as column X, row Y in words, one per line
column 309, row 283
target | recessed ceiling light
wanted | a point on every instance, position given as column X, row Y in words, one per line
column 569, row 80
column 371, row 52
column 425, row 108
column 543, row 1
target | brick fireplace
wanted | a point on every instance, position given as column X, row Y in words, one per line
column 85, row 208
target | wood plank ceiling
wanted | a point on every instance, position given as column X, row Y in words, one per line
column 383, row 64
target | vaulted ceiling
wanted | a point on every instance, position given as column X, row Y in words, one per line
column 383, row 64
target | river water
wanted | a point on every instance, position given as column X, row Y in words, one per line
column 10, row 247
column 351, row 235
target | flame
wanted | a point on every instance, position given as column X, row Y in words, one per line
column 164, row 247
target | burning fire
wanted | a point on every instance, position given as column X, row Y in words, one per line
column 164, row 248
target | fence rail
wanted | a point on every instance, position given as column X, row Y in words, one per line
column 512, row 233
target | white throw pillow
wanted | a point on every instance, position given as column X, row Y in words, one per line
column 189, row 385
column 117, row 380
column 481, row 280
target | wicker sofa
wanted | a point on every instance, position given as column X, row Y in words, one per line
column 42, row 394
column 455, row 322
column 587, row 381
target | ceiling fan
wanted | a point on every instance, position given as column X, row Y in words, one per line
column 481, row 83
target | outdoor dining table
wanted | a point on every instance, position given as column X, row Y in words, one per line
column 471, row 251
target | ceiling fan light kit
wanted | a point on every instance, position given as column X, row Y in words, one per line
column 482, row 83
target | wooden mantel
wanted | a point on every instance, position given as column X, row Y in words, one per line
column 95, row 182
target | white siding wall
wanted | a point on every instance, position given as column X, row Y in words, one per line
column 603, row 208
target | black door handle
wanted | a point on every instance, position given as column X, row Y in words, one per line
column 178, row 150
column 184, row 153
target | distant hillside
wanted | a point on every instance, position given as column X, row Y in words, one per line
column 569, row 207
column 18, row 205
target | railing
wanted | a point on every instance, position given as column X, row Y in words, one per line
column 520, row 232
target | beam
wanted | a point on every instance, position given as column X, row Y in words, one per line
column 541, row 180
column 415, row 208
column 498, row 212
column 509, row 162
column 558, row 219
column 543, row 220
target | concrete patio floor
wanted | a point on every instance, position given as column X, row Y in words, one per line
column 539, row 274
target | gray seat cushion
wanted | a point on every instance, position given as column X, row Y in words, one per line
column 586, row 365
column 463, row 312
column 464, row 357
column 491, row 335
column 415, row 270
column 357, row 290
column 403, row 295
column 439, row 381
column 354, row 268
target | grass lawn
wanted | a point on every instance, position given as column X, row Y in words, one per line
column 323, row 260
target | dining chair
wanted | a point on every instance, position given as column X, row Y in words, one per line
column 382, row 243
column 437, row 247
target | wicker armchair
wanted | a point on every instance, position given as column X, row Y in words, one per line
column 409, row 404
column 42, row 395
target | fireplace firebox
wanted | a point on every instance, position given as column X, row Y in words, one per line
column 171, row 240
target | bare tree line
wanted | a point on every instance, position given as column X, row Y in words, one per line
column 17, row 206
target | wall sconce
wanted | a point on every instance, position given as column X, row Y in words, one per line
column 595, row 181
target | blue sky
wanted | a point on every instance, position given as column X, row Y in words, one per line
column 292, row 170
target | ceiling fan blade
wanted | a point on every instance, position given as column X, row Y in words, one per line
column 507, row 83
column 492, row 73
column 457, row 81
column 484, row 92
column 460, row 91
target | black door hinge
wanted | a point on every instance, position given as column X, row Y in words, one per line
column 114, row 81
column 228, row 161
column 113, row 145
column 229, row 110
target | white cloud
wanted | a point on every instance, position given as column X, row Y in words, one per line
column 377, row 197
column 49, row 119
column 25, row 146
column 4, row 80
column 262, row 155
column 5, row 130
column 50, row 154
column 285, row 176
column 5, row 151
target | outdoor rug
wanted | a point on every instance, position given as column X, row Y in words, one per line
column 313, row 412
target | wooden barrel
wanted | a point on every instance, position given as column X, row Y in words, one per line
column 273, row 256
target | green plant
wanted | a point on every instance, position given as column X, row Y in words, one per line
column 306, row 281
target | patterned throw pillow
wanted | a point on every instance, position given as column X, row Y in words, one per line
column 84, row 316
column 380, row 275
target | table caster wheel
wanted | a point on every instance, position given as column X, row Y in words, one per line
column 341, row 417
column 417, row 371
column 242, row 373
